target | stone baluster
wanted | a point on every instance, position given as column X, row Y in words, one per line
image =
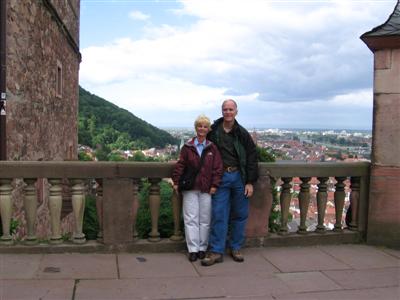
column 55, row 205
column 154, row 203
column 78, row 207
column 339, row 202
column 354, row 200
column 285, row 198
column 176, row 210
column 30, row 206
column 99, row 208
column 135, row 206
column 304, row 201
column 322, row 197
column 6, row 210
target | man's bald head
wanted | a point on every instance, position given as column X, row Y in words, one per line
column 229, row 100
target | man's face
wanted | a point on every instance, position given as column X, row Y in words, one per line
column 229, row 111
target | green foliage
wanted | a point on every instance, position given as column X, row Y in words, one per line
column 90, row 221
column 14, row 224
column 165, row 221
column 115, row 156
column 265, row 155
column 83, row 156
column 275, row 214
column 103, row 123
column 102, row 153
column 138, row 156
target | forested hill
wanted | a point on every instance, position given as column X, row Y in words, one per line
column 101, row 122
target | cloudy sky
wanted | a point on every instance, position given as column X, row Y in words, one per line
column 289, row 64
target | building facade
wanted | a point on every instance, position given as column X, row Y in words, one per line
column 42, row 65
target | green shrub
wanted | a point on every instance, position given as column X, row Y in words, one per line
column 14, row 224
column 165, row 220
column 90, row 221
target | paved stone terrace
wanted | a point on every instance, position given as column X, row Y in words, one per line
column 317, row 272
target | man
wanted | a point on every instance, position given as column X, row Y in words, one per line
column 230, row 202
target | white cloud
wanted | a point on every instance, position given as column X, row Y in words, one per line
column 138, row 15
column 275, row 52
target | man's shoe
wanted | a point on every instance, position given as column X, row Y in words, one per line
column 212, row 258
column 192, row 256
column 201, row 255
column 237, row 255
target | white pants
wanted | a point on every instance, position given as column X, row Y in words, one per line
column 197, row 217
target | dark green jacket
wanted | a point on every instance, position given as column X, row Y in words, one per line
column 245, row 149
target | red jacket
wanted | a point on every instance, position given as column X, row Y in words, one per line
column 211, row 171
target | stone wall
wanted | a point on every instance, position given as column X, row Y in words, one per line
column 68, row 11
column 42, row 44
column 42, row 125
column 384, row 208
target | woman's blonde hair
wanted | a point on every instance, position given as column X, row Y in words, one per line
column 202, row 119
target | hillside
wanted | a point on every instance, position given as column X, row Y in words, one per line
column 101, row 122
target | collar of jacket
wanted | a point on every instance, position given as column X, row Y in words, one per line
column 219, row 122
column 190, row 143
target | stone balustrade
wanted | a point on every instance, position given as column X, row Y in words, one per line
column 117, row 197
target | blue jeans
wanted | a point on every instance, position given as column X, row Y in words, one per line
column 228, row 204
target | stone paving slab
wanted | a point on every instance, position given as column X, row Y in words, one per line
column 308, row 282
column 78, row 266
column 355, row 279
column 339, row 272
column 300, row 259
column 254, row 263
column 16, row 266
column 133, row 265
column 393, row 252
column 36, row 289
column 361, row 256
column 390, row 293
column 181, row 288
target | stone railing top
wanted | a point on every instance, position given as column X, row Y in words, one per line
column 80, row 169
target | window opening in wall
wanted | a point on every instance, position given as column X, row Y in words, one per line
column 59, row 80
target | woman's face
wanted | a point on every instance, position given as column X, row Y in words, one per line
column 202, row 130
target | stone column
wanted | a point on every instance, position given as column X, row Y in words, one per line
column 304, row 201
column 322, row 197
column 135, row 206
column 78, row 206
column 6, row 210
column 285, row 198
column 176, row 209
column 55, row 204
column 260, row 208
column 339, row 197
column 117, row 211
column 99, row 208
column 354, row 200
column 154, row 203
column 30, row 206
column 384, row 205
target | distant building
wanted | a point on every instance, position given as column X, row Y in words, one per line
column 42, row 64
column 254, row 137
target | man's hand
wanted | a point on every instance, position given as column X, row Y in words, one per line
column 213, row 190
column 248, row 190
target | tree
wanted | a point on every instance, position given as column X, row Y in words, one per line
column 264, row 155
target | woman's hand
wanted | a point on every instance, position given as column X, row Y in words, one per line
column 248, row 190
column 176, row 188
column 213, row 190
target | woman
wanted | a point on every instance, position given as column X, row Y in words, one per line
column 201, row 155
